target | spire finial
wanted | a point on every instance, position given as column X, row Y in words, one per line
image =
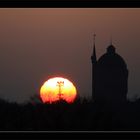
column 111, row 40
column 94, row 50
column 94, row 35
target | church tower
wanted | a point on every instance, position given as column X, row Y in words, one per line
column 94, row 62
column 109, row 76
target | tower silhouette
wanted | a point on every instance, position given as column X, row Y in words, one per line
column 94, row 62
column 109, row 76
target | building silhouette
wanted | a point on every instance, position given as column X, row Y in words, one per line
column 109, row 76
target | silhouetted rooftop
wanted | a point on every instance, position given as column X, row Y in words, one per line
column 111, row 59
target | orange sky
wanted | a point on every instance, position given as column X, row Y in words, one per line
column 39, row 43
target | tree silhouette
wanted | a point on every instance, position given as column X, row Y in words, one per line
column 82, row 114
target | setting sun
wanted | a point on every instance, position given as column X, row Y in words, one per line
column 56, row 89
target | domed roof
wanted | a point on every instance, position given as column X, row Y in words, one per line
column 111, row 59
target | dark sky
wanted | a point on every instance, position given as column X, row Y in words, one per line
column 37, row 44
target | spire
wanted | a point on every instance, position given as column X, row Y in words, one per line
column 111, row 48
column 111, row 40
column 94, row 50
column 94, row 62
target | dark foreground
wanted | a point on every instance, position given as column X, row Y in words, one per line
column 81, row 115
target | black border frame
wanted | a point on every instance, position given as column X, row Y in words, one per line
column 70, row 4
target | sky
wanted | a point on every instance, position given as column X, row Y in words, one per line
column 39, row 43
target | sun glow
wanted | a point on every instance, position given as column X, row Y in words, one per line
column 56, row 89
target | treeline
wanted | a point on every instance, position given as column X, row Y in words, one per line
column 83, row 114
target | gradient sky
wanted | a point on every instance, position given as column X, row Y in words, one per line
column 36, row 44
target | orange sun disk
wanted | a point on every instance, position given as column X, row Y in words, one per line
column 56, row 89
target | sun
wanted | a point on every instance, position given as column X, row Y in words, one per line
column 56, row 89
